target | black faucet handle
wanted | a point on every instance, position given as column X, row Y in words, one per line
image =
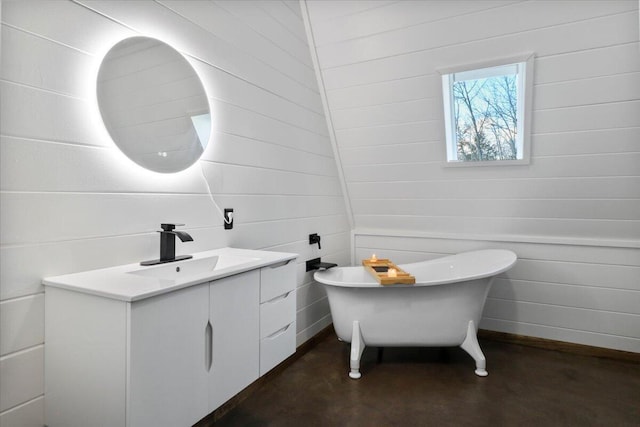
column 170, row 227
column 314, row 238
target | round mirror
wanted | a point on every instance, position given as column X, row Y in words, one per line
column 153, row 104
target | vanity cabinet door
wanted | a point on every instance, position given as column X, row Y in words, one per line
column 167, row 357
column 234, row 315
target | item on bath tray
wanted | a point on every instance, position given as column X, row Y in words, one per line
column 387, row 273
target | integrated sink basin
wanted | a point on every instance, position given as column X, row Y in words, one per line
column 192, row 267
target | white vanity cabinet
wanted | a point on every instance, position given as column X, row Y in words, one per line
column 168, row 359
column 117, row 363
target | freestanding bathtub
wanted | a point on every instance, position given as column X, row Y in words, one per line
column 442, row 309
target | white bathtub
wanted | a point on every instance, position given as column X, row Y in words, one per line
column 442, row 309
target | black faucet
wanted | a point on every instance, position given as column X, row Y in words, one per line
column 168, row 245
column 314, row 238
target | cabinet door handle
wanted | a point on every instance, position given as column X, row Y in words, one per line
column 280, row 264
column 208, row 346
column 278, row 332
column 278, row 298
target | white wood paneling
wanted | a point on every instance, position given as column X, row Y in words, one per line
column 609, row 165
column 236, row 179
column 309, row 293
column 287, row 230
column 624, row 140
column 232, row 30
column 602, row 32
column 586, row 120
column 386, row 114
column 70, row 27
column 602, row 141
column 545, row 188
column 30, row 218
column 312, row 330
column 423, row 130
column 287, row 16
column 483, row 25
column 563, row 228
column 201, row 43
column 247, row 123
column 393, row 153
column 27, row 414
column 40, row 165
column 561, row 334
column 72, row 202
column 439, row 246
column 231, row 90
column 587, row 117
column 385, row 92
column 596, row 90
column 623, row 209
column 389, row 16
column 21, row 323
column 257, row 17
column 595, row 321
column 307, row 317
column 583, row 297
column 589, row 63
column 44, row 63
column 279, row 207
column 56, row 116
column 328, row 10
column 22, row 376
column 237, row 150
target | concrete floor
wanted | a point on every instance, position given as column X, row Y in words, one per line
column 437, row 387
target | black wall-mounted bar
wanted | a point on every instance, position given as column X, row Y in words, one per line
column 317, row 264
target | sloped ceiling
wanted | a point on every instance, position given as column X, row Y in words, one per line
column 378, row 63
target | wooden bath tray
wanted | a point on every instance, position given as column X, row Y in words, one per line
column 379, row 268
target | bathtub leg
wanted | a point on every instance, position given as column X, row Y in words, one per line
column 471, row 346
column 357, row 347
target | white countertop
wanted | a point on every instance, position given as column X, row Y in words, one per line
column 119, row 282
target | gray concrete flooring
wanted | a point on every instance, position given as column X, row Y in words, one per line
column 526, row 386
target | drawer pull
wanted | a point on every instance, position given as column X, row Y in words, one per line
column 280, row 264
column 278, row 298
column 278, row 332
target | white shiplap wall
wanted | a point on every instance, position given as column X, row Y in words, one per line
column 572, row 215
column 71, row 202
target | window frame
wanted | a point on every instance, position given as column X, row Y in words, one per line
column 525, row 64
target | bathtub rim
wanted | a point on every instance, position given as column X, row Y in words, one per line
column 362, row 279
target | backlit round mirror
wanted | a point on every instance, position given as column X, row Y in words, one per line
column 153, row 104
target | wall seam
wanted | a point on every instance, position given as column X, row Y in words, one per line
column 327, row 111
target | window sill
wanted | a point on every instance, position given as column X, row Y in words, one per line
column 485, row 163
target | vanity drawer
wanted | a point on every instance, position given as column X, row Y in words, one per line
column 277, row 313
column 277, row 280
column 277, row 347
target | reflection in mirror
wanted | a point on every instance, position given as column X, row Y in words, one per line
column 153, row 104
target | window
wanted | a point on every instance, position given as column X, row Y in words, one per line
column 487, row 112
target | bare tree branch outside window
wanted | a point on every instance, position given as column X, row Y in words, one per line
column 485, row 113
